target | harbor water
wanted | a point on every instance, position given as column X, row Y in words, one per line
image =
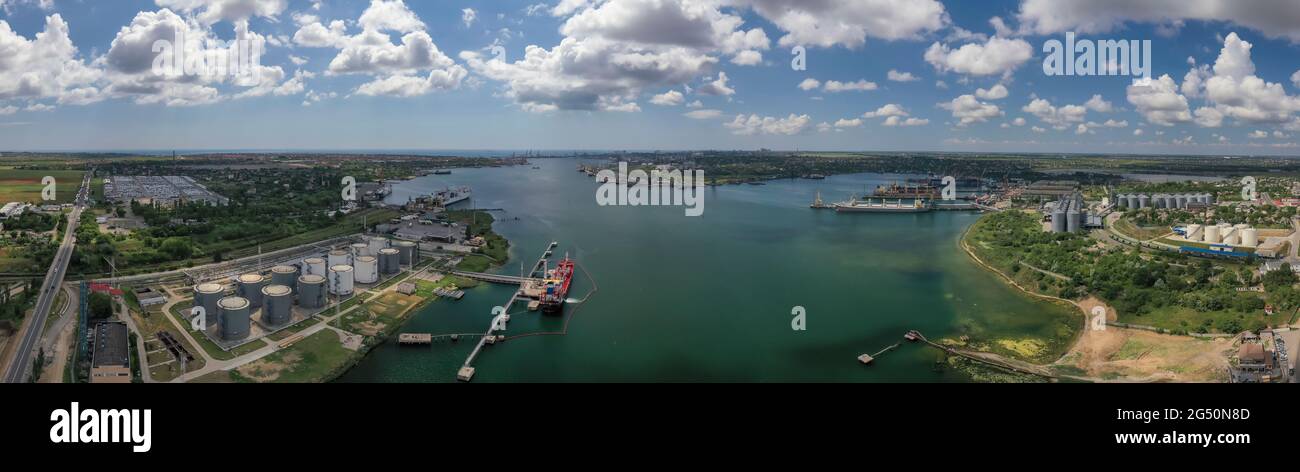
column 711, row 298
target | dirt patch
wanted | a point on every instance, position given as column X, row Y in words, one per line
column 264, row 371
column 1129, row 355
column 53, row 371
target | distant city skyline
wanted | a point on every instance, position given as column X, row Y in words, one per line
column 643, row 75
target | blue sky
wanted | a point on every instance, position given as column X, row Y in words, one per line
column 645, row 74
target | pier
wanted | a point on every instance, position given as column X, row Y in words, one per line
column 985, row 358
column 867, row 359
column 467, row 369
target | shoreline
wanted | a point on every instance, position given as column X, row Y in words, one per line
column 1087, row 352
column 1078, row 339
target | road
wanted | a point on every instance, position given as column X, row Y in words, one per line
column 20, row 368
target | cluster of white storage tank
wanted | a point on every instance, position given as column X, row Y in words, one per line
column 336, row 274
column 1162, row 200
column 1233, row 235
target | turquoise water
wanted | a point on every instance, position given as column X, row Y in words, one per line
column 710, row 298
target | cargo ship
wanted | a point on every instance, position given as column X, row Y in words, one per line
column 558, row 281
column 869, row 206
column 452, row 196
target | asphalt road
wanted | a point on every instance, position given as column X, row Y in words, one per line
column 21, row 366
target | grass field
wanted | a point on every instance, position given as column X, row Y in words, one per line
column 315, row 359
column 25, row 185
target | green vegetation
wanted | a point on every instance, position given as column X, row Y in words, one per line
column 1171, row 292
column 1263, row 216
column 317, row 358
column 480, row 225
column 24, row 185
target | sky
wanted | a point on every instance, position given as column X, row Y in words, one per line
column 849, row 75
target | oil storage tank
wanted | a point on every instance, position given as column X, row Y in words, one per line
column 278, row 301
column 250, row 289
column 284, row 275
column 410, row 252
column 340, row 257
column 390, row 261
column 367, row 270
column 235, row 322
column 1250, row 237
column 314, row 266
column 342, row 280
column 377, row 244
column 208, row 296
column 311, row 291
column 1212, row 234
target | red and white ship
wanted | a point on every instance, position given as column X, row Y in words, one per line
column 558, row 281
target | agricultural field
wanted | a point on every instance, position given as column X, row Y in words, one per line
column 25, row 185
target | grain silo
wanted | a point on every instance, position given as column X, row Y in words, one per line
column 235, row 322
column 1250, row 237
column 311, row 291
column 250, row 288
column 342, row 280
column 340, row 257
column 208, row 296
column 377, row 244
column 1121, row 201
column 367, row 270
column 1210, row 198
column 1212, row 234
column 390, row 261
column 360, row 249
column 1182, row 201
column 279, row 305
column 1144, row 201
column 1160, row 202
column 1170, row 201
column 284, row 275
column 314, row 266
column 1074, row 221
column 1058, row 217
column 410, row 252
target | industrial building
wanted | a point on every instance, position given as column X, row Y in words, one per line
column 1045, row 190
column 111, row 359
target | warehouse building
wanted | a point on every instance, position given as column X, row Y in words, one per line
column 111, row 359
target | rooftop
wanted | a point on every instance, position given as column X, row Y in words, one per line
column 111, row 347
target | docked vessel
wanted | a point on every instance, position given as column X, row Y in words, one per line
column 558, row 281
column 452, row 196
column 870, row 206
